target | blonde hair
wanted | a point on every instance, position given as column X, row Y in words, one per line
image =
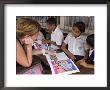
column 26, row 26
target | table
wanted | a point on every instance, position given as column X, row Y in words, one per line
column 83, row 70
column 42, row 59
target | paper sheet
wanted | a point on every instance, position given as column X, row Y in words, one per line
column 61, row 56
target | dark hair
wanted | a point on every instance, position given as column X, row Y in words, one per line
column 51, row 21
column 90, row 40
column 80, row 25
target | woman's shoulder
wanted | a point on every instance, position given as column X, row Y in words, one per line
column 17, row 40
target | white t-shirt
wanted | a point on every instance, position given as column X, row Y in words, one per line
column 56, row 36
column 76, row 45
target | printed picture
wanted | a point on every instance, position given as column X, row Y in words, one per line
column 55, row 45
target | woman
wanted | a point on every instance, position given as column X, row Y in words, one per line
column 27, row 30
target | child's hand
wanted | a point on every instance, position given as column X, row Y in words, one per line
column 46, row 42
column 82, row 63
column 72, row 57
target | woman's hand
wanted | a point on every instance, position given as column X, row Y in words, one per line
column 27, row 40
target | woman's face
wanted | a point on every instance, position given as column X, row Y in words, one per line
column 76, row 32
column 33, row 37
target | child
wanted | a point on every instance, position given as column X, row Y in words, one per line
column 56, row 34
column 75, row 42
column 89, row 63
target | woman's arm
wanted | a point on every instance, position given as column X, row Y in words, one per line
column 36, row 52
column 24, row 59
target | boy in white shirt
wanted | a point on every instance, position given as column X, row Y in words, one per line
column 56, row 34
column 75, row 42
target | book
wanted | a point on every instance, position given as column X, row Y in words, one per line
column 61, row 64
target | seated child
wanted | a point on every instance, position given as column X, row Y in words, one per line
column 56, row 34
column 75, row 42
column 89, row 63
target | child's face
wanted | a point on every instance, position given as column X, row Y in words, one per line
column 76, row 32
column 88, row 46
column 50, row 27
